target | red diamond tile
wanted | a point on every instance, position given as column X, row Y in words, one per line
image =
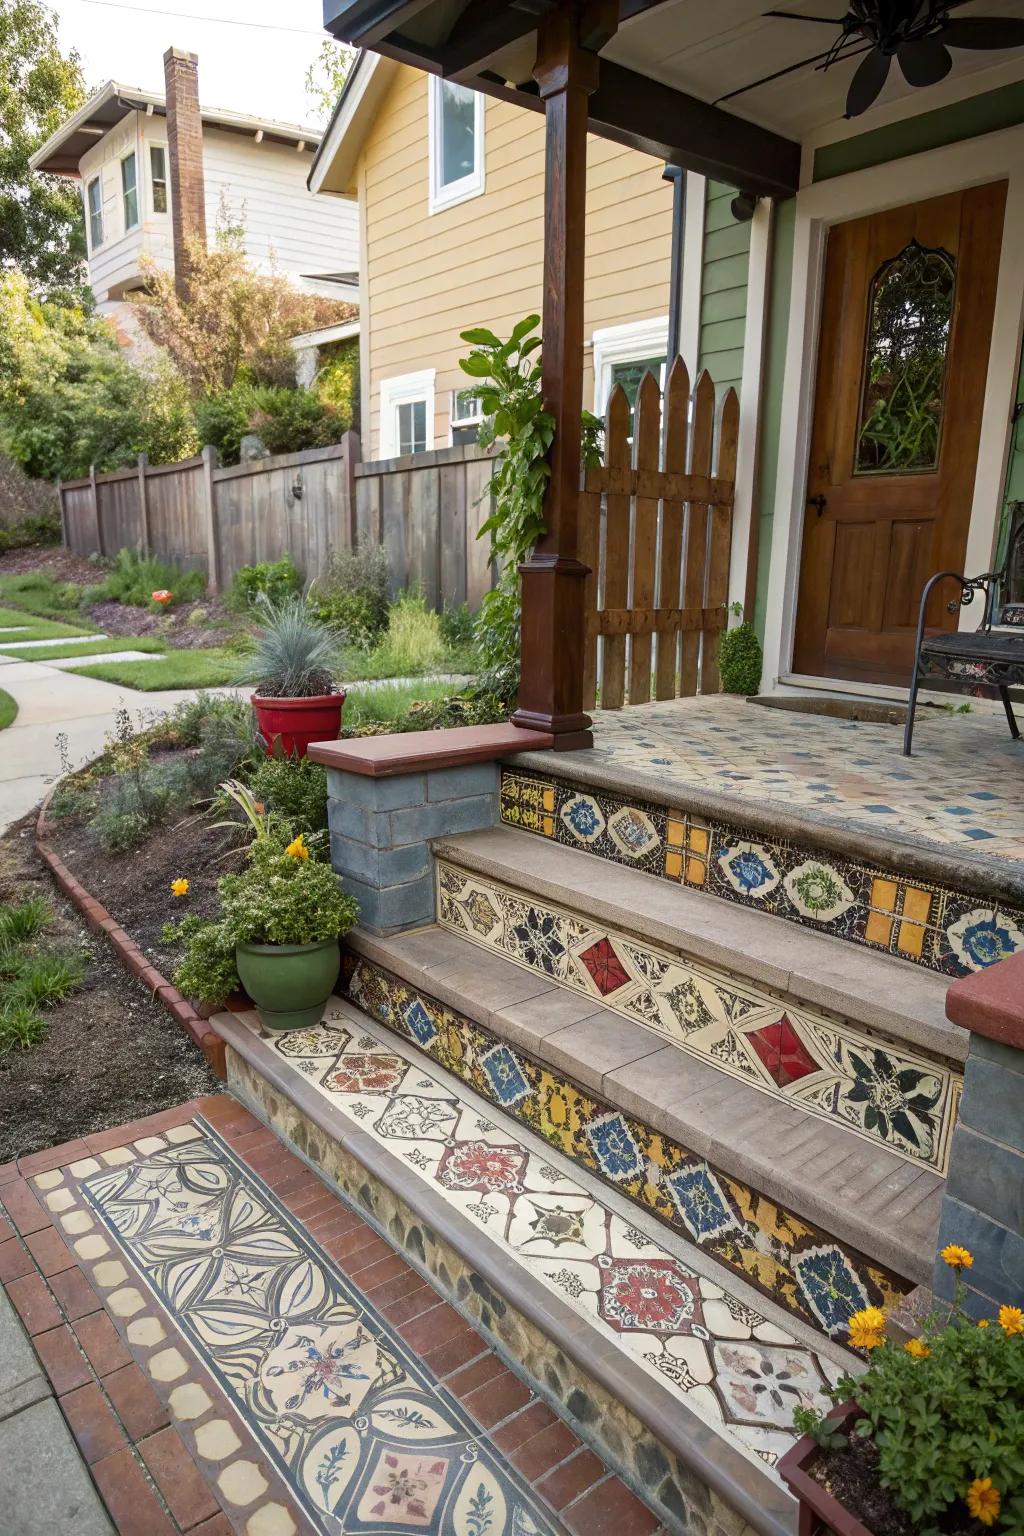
column 605, row 967
column 783, row 1052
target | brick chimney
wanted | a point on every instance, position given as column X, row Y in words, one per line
column 185, row 153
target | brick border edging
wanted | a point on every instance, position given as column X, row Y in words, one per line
column 129, row 953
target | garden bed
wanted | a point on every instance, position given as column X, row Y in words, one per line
column 110, row 1052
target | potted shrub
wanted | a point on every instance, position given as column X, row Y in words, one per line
column 929, row 1440
column 296, row 699
column 281, row 919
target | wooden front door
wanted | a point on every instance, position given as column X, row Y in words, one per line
column 905, row 330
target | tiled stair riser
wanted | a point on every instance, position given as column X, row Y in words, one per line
column 877, row 1089
column 927, row 924
column 601, row 1419
column 798, row 1266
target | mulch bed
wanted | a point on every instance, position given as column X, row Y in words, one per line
column 111, row 1053
column 173, row 626
column 850, row 1475
column 61, row 564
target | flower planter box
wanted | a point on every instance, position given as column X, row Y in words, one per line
column 819, row 1511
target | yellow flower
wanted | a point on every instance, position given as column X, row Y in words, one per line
column 957, row 1257
column 867, row 1328
column 983, row 1322
column 1011, row 1320
column 179, row 887
column 298, row 849
column 983, row 1500
column 917, row 1348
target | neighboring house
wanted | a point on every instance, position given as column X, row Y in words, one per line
column 158, row 169
column 449, row 185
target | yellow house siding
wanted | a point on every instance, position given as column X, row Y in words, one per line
column 430, row 276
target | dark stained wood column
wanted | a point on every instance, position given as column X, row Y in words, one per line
column 551, row 686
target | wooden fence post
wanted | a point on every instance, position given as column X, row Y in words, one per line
column 96, row 509
column 63, row 513
column 351, row 444
column 210, row 519
column 143, row 503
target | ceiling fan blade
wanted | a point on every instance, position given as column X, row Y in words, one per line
column 924, row 61
column 829, row 21
column 984, row 32
column 872, row 73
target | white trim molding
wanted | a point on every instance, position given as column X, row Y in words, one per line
column 405, row 389
column 755, row 332
column 629, row 343
column 692, row 293
column 440, row 195
column 951, row 168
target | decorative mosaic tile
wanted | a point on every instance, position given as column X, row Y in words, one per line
column 364, row 1437
column 758, row 1240
column 881, row 1091
column 680, row 1325
column 929, row 925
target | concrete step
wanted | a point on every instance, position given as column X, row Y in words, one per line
column 666, row 1363
column 853, row 1191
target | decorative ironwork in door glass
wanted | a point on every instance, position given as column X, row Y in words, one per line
column 910, row 312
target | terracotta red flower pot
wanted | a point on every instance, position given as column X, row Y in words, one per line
column 819, row 1511
column 297, row 722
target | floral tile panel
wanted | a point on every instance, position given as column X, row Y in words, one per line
column 366, row 1439
column 929, row 925
column 798, row 1266
column 880, row 1091
column 736, row 1369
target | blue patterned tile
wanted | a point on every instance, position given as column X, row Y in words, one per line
column 505, row 1075
column 617, row 1153
column 830, row 1286
column 701, row 1202
column 419, row 1022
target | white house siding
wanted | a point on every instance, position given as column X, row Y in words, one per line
column 116, row 261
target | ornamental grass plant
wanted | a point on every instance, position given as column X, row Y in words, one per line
column 941, row 1425
column 295, row 655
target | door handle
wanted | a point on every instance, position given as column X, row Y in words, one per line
column 819, row 503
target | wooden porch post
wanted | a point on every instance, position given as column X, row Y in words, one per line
column 551, row 686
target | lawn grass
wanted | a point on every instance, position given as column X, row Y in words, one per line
column 8, row 709
column 389, row 703
column 37, row 592
column 87, row 648
column 382, row 663
column 40, row 629
column 175, row 669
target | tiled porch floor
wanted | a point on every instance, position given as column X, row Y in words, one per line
column 963, row 787
column 236, row 1351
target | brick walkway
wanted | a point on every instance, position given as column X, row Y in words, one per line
column 160, row 1267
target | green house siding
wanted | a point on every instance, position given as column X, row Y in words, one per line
column 723, row 308
column 771, row 395
column 1001, row 108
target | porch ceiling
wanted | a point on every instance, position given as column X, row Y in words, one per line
column 679, row 76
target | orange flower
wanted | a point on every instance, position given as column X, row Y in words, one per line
column 983, row 1322
column 867, row 1328
column 179, row 887
column 917, row 1348
column 1011, row 1320
column 983, row 1500
column 161, row 596
column 957, row 1257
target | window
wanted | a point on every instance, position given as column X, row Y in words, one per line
column 158, row 177
column 407, row 414
column 623, row 354
column 466, row 416
column 129, row 191
column 94, row 195
column 456, row 143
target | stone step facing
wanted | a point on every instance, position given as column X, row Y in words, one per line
column 948, row 909
column 841, row 1034
column 681, row 1376
column 787, row 1185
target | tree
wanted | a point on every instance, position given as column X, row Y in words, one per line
column 326, row 76
column 42, row 229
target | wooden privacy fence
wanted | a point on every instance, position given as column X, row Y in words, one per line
column 656, row 531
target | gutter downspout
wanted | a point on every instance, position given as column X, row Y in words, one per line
column 677, row 176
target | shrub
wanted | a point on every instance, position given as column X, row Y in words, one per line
column 351, row 597
column 34, row 532
column 456, row 625
column 23, row 500
column 294, row 787
column 222, row 420
column 274, row 579
column 740, row 660
column 413, row 642
column 295, row 655
column 337, row 380
column 207, row 969
column 285, row 420
column 39, row 593
column 134, row 578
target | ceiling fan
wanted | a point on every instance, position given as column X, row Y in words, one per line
column 918, row 34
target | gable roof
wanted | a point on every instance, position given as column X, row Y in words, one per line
column 63, row 150
column 364, row 90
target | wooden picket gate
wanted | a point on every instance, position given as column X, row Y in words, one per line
column 659, row 554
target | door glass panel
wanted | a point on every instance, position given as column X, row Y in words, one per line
column 910, row 311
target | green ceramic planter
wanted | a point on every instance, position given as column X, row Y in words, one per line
column 289, row 983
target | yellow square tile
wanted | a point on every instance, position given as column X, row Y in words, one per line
column 675, row 833
column 549, row 797
column 674, row 866
column 878, row 928
column 547, row 826
column 910, row 939
column 698, row 839
column 917, row 904
column 696, row 871
column 883, row 894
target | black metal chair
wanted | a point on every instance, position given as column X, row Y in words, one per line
column 984, row 663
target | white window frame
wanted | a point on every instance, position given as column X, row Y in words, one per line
column 454, row 420
column 132, row 154
column 94, row 181
column 405, row 389
column 629, row 343
column 150, row 147
column 472, row 185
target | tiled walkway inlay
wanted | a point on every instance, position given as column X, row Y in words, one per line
column 364, row 1437
column 880, row 1090
column 731, row 1365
